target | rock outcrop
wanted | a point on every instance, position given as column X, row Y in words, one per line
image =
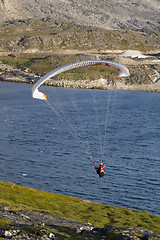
column 40, row 226
column 107, row 14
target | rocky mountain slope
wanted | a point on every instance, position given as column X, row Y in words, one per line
column 67, row 30
column 110, row 14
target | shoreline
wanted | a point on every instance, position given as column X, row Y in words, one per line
column 9, row 73
column 154, row 87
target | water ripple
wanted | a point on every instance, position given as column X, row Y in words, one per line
column 39, row 151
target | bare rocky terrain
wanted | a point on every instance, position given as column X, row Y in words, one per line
column 110, row 14
column 40, row 226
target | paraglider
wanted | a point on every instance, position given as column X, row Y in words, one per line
column 124, row 72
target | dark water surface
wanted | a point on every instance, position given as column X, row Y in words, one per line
column 53, row 151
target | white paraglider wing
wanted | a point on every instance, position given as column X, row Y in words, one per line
column 124, row 72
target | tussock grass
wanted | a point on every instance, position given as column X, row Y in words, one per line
column 4, row 222
column 23, row 198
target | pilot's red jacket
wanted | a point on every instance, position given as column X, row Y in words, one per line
column 100, row 168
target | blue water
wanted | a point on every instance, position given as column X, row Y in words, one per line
column 52, row 151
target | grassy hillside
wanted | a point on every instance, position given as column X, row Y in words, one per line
column 50, row 35
column 22, row 198
column 42, row 45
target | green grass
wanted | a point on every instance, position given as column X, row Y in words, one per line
column 44, row 64
column 4, row 222
column 22, row 198
column 18, row 62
